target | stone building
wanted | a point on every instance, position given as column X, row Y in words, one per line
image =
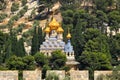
column 54, row 41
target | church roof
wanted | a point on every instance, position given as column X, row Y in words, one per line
column 60, row 30
column 54, row 24
column 68, row 47
column 47, row 30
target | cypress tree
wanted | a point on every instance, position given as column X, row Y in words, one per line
column 34, row 47
column 40, row 37
column 14, row 44
column 21, row 50
column 37, row 38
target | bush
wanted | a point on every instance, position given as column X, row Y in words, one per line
column 2, row 5
column 24, row 2
column 25, row 8
column 2, row 16
column 15, row 18
column 57, row 60
column 52, row 76
column 22, row 11
column 3, row 68
column 3, row 26
column 15, row 7
column 41, row 59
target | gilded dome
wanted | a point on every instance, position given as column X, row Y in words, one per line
column 47, row 30
column 60, row 30
column 68, row 36
column 54, row 24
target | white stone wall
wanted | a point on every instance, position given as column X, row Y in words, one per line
column 32, row 75
column 79, row 75
column 98, row 73
column 8, row 75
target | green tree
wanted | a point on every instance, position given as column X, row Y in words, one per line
column 48, row 3
column 3, row 40
column 114, row 44
column 8, row 50
column 41, row 59
column 34, row 47
column 101, row 20
column 91, row 33
column 14, row 43
column 98, row 44
column 57, row 60
column 29, row 62
column 78, row 37
column 101, row 4
column 114, row 20
column 118, row 5
column 37, row 38
column 94, row 60
column 21, row 50
column 20, row 28
column 15, row 63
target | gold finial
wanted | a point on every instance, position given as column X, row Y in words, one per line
column 68, row 35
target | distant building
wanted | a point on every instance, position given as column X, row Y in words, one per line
column 54, row 41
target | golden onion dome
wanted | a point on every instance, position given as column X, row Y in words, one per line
column 68, row 36
column 47, row 30
column 54, row 24
column 60, row 30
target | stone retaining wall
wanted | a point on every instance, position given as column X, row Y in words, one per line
column 32, row 75
column 79, row 75
column 37, row 74
column 98, row 73
column 8, row 75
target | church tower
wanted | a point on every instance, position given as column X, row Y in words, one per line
column 71, row 62
column 53, row 39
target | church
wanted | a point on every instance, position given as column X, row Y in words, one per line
column 54, row 41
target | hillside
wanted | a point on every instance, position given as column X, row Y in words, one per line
column 28, row 16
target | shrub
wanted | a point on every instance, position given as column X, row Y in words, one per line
column 24, row 2
column 2, row 16
column 52, row 76
column 2, row 5
column 15, row 7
